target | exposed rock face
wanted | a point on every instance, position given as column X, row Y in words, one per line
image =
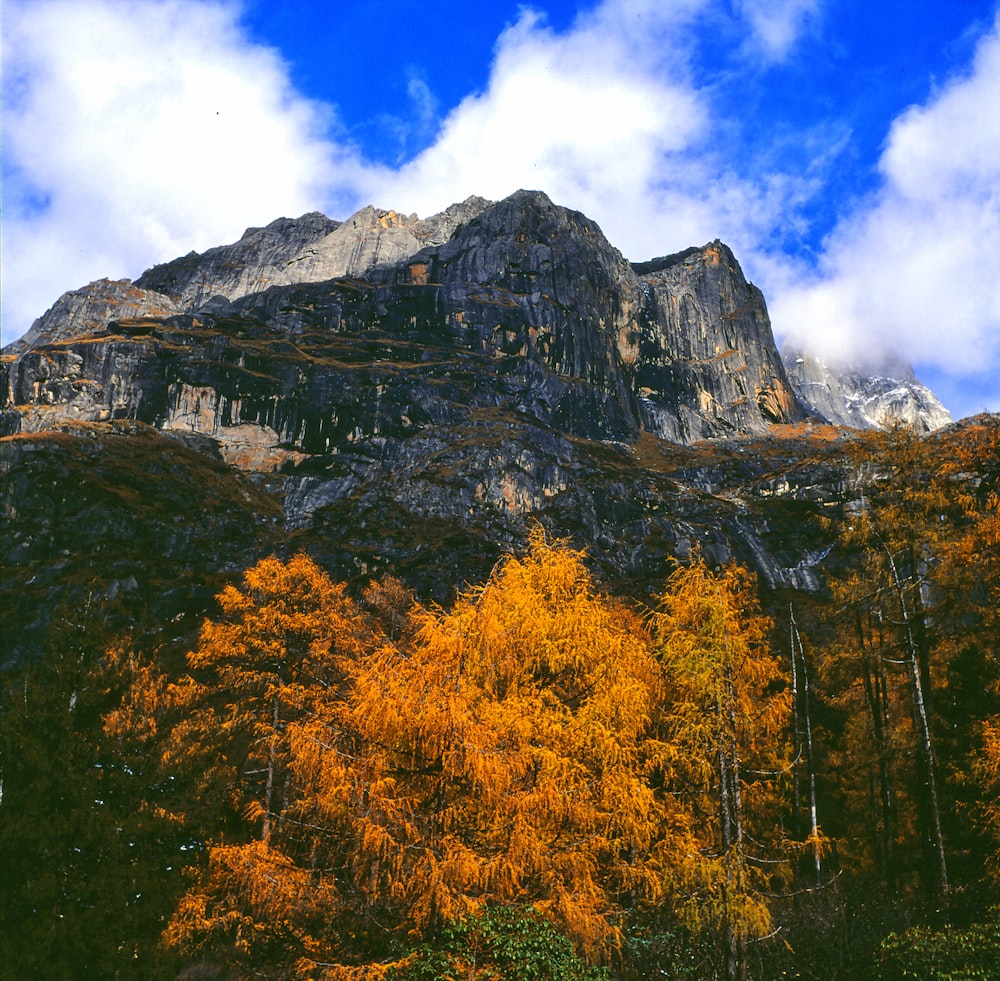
column 707, row 364
column 88, row 310
column 456, row 379
column 309, row 249
column 863, row 396
column 575, row 337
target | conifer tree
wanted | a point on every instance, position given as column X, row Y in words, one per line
column 504, row 755
column 268, row 669
column 726, row 721
column 893, row 538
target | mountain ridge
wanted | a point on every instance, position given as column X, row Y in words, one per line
column 416, row 418
column 315, row 248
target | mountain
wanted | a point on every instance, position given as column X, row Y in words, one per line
column 863, row 395
column 680, row 346
column 407, row 396
column 308, row 249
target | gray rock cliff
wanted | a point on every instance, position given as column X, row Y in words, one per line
column 406, row 396
column 86, row 311
column 309, row 249
column 707, row 364
column 578, row 338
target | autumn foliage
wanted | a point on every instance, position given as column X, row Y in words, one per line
column 539, row 743
column 540, row 780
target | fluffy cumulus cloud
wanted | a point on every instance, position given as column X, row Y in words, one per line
column 138, row 131
column 915, row 268
column 608, row 118
column 570, row 114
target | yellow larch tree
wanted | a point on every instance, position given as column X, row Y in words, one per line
column 504, row 755
column 889, row 652
column 726, row 721
column 268, row 668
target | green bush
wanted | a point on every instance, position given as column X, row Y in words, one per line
column 923, row 954
column 513, row 943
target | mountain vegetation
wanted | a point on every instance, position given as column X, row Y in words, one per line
column 329, row 786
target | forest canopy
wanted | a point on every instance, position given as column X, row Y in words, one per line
column 355, row 785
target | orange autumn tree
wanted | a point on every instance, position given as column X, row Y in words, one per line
column 504, row 755
column 509, row 751
column 266, row 668
column 726, row 724
column 887, row 665
column 969, row 577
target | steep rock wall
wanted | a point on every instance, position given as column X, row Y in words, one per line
column 707, row 363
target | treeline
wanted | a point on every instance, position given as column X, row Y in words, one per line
column 542, row 781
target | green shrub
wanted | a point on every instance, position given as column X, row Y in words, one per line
column 923, row 954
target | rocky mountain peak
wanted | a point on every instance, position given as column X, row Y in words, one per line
column 530, row 246
column 312, row 248
column 708, row 364
column 873, row 394
column 679, row 346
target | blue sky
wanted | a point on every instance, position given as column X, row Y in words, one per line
column 848, row 151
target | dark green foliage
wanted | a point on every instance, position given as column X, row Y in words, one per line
column 923, row 954
column 663, row 949
column 513, row 943
column 86, row 879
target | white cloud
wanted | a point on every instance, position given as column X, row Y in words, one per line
column 915, row 268
column 564, row 113
column 138, row 131
column 776, row 25
column 605, row 118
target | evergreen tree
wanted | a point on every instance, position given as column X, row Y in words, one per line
column 87, row 880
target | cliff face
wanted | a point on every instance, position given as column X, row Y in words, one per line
column 307, row 249
column 707, row 362
column 86, row 311
column 582, row 340
column 455, row 380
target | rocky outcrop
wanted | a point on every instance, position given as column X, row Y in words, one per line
column 87, row 311
column 309, row 249
column 706, row 361
column 863, row 396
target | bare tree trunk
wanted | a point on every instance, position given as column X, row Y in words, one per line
column 927, row 742
column 265, row 831
column 736, row 941
column 796, row 730
column 810, row 763
column 726, row 832
column 876, row 694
